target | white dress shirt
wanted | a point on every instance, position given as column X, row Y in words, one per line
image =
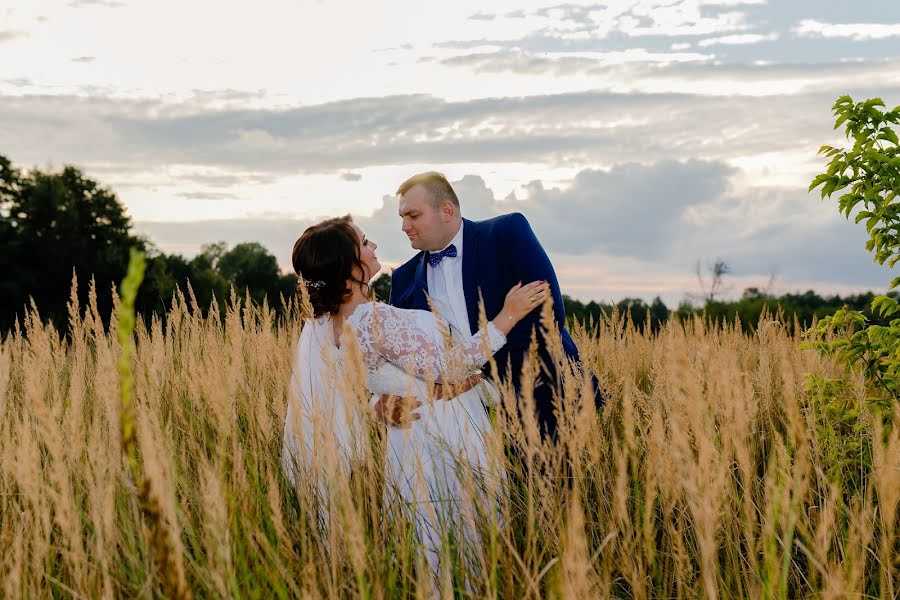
column 445, row 286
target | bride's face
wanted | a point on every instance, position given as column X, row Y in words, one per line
column 367, row 255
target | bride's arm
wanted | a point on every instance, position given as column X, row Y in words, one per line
column 446, row 391
column 397, row 336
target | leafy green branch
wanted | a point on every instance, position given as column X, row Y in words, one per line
column 867, row 174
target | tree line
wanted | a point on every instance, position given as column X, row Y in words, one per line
column 796, row 310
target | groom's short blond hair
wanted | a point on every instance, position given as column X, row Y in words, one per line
column 436, row 184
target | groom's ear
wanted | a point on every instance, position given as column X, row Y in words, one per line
column 448, row 211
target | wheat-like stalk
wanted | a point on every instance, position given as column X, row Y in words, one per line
column 145, row 460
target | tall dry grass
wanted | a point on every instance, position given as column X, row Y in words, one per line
column 706, row 475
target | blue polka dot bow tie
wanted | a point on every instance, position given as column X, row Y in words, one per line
column 436, row 258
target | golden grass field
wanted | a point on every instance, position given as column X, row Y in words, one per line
column 711, row 473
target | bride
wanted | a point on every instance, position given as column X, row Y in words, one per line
column 403, row 354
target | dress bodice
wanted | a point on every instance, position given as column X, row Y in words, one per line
column 405, row 348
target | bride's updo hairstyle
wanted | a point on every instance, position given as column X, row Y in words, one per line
column 326, row 258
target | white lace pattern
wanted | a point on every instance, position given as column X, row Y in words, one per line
column 392, row 335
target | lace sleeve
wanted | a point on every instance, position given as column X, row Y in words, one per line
column 398, row 336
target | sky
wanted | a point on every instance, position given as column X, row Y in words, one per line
column 640, row 138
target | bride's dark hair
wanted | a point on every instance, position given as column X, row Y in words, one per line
column 326, row 258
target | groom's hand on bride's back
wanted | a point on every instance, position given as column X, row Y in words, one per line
column 397, row 411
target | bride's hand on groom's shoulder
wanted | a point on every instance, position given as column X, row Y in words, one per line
column 397, row 411
column 521, row 300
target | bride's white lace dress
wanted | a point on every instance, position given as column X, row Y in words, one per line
column 402, row 350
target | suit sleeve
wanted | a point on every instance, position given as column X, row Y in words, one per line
column 393, row 287
column 529, row 261
column 396, row 283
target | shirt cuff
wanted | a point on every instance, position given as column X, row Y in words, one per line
column 496, row 339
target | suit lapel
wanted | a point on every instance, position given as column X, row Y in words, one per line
column 420, row 284
column 470, row 270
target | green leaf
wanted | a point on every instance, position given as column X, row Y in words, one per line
column 885, row 306
column 873, row 220
column 888, row 134
column 819, row 180
column 863, row 214
column 840, row 102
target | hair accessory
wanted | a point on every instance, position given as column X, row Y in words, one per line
column 315, row 284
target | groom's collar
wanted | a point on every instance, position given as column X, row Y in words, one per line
column 460, row 239
column 457, row 240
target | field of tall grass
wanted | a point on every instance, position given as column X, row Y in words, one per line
column 716, row 470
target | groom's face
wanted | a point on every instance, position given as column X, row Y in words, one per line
column 424, row 225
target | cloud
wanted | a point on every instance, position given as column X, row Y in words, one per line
column 84, row 59
column 640, row 70
column 225, row 98
column 636, row 19
column 213, row 177
column 10, row 35
column 745, row 38
column 858, row 32
column 588, row 128
column 738, row 31
column 630, row 210
column 19, row 82
column 255, row 140
column 522, row 63
column 103, row 3
column 350, row 176
column 207, row 196
column 832, row 251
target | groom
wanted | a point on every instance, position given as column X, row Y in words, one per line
column 461, row 260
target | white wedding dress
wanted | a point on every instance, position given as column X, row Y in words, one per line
column 401, row 350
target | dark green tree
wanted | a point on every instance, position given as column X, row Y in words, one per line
column 11, row 264
column 659, row 313
column 382, row 287
column 57, row 224
column 206, row 282
column 252, row 270
column 165, row 274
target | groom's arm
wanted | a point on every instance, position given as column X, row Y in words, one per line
column 396, row 278
column 530, row 262
column 401, row 279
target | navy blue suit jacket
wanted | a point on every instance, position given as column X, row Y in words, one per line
column 497, row 254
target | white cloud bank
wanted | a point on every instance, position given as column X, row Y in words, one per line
column 858, row 32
